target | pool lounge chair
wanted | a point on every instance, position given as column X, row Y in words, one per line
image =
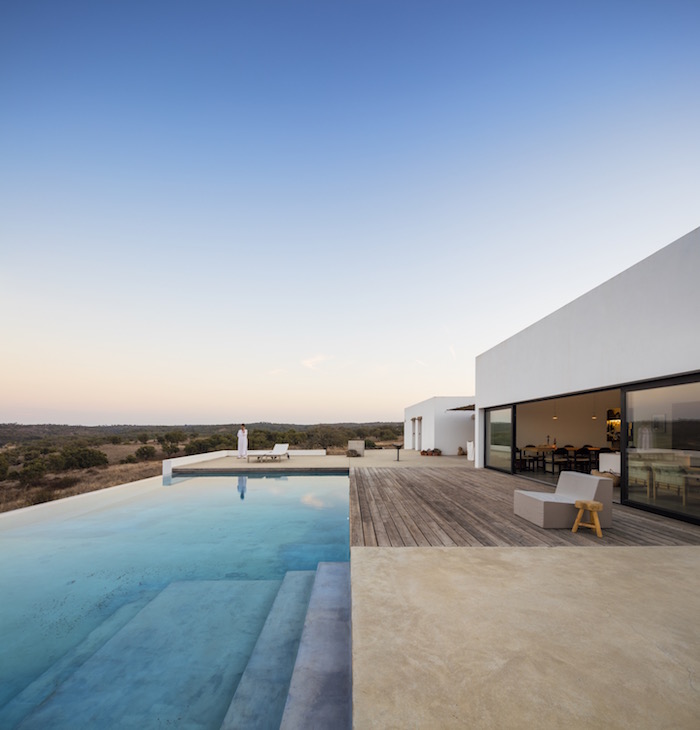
column 276, row 454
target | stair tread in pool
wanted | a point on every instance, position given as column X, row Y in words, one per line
column 175, row 664
column 262, row 692
column 320, row 691
column 47, row 683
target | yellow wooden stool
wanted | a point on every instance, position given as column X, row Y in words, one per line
column 593, row 508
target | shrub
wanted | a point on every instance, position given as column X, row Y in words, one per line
column 82, row 457
column 170, row 448
column 217, row 442
column 260, row 440
column 198, row 446
column 177, row 436
column 32, row 473
column 56, row 462
column 4, row 467
column 144, row 453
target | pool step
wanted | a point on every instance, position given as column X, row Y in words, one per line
column 262, row 692
column 320, row 692
column 175, row 664
column 42, row 687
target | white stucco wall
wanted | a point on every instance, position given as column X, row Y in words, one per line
column 441, row 428
column 641, row 324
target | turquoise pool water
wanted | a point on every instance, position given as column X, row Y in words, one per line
column 73, row 575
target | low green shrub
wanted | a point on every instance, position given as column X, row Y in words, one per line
column 82, row 457
column 144, row 453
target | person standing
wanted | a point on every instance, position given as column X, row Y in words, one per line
column 242, row 441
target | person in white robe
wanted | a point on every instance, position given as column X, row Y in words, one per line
column 242, row 441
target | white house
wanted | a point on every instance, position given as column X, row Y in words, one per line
column 617, row 369
column 442, row 422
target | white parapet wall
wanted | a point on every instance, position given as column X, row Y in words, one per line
column 170, row 464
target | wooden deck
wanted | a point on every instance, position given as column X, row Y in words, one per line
column 474, row 507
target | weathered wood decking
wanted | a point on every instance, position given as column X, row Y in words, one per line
column 474, row 507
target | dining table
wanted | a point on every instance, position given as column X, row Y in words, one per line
column 540, row 452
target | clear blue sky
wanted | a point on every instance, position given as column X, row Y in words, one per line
column 310, row 211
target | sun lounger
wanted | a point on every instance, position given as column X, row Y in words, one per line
column 276, row 454
column 557, row 510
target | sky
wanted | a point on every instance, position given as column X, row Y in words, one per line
column 310, row 211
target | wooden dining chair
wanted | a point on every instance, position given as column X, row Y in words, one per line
column 559, row 459
column 582, row 460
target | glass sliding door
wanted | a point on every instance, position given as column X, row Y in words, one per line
column 499, row 439
column 662, row 455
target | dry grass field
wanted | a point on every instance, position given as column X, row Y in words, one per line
column 13, row 495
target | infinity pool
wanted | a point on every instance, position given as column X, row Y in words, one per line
column 212, row 549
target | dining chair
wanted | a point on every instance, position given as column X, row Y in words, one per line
column 559, row 460
column 582, row 460
column 532, row 457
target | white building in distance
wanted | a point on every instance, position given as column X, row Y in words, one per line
column 442, row 422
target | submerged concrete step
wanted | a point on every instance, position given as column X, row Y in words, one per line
column 47, row 683
column 320, row 692
column 175, row 664
column 262, row 692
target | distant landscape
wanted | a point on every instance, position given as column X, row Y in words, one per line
column 43, row 462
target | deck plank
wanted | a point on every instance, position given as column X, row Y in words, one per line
column 431, row 523
column 356, row 535
column 438, row 506
column 407, row 512
column 369, row 537
column 401, row 518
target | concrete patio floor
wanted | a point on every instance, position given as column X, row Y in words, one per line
column 526, row 637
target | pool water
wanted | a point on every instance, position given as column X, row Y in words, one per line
column 200, row 549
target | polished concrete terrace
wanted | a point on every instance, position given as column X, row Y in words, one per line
column 526, row 637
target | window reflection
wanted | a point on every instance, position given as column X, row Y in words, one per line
column 663, row 447
column 499, row 430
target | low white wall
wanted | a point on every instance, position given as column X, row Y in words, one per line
column 169, row 464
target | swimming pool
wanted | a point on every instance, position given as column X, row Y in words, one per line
column 143, row 584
